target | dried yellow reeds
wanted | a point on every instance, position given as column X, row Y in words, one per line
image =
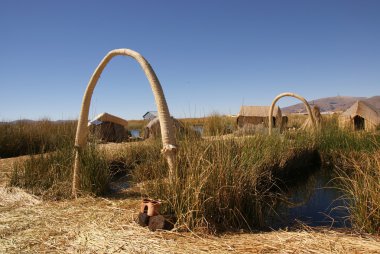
column 98, row 225
column 317, row 117
column 11, row 196
column 168, row 137
column 311, row 116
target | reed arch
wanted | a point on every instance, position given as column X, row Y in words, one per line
column 167, row 134
column 311, row 116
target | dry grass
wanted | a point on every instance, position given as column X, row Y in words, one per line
column 14, row 196
column 99, row 225
column 106, row 225
column 6, row 166
column 359, row 177
column 25, row 137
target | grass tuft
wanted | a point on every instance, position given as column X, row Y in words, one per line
column 50, row 175
column 359, row 177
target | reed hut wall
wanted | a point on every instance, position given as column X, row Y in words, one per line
column 152, row 129
column 109, row 128
column 307, row 125
column 360, row 116
column 256, row 115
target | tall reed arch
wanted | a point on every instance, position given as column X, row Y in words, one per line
column 311, row 116
column 168, row 137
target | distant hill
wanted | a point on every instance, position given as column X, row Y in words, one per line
column 337, row 103
column 375, row 101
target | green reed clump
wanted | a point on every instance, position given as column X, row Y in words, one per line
column 23, row 137
column 221, row 184
column 50, row 174
column 216, row 124
column 333, row 139
column 354, row 160
column 144, row 156
column 359, row 177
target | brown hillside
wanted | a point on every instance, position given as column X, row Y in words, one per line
column 337, row 103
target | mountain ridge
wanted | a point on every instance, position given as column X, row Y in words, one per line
column 334, row 104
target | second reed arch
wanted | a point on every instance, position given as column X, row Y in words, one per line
column 167, row 134
column 311, row 116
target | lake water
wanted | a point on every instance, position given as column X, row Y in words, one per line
column 198, row 128
column 316, row 202
column 135, row 133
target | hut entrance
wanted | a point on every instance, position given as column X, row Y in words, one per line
column 359, row 123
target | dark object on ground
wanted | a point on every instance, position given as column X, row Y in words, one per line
column 143, row 219
column 159, row 222
column 155, row 222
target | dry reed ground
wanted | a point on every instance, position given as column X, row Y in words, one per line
column 106, row 225
column 6, row 167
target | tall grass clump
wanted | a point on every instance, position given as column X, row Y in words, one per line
column 144, row 156
column 222, row 184
column 25, row 137
column 333, row 139
column 355, row 163
column 215, row 124
column 50, row 174
column 359, row 177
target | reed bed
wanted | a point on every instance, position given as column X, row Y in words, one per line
column 24, row 137
column 359, row 177
column 13, row 196
column 99, row 225
column 224, row 184
column 216, row 124
column 49, row 175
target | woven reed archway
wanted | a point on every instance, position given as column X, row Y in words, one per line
column 311, row 116
column 168, row 138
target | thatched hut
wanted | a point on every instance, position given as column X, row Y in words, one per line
column 152, row 129
column 360, row 116
column 108, row 128
column 258, row 115
column 307, row 125
column 284, row 123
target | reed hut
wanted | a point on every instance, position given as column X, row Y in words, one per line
column 284, row 123
column 307, row 125
column 152, row 129
column 109, row 128
column 360, row 116
column 258, row 115
column 150, row 115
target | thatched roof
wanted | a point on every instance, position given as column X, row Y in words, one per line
column 258, row 111
column 105, row 117
column 152, row 129
column 317, row 117
column 365, row 110
column 153, row 122
column 156, row 122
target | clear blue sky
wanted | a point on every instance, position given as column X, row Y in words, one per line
column 209, row 55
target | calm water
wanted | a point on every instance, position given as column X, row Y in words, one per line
column 135, row 133
column 198, row 128
column 315, row 203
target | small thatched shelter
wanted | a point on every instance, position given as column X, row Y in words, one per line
column 360, row 116
column 307, row 125
column 109, row 128
column 258, row 115
column 152, row 129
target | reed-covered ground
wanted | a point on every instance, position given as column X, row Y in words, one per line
column 106, row 225
column 223, row 183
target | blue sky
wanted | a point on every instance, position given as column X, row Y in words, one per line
column 209, row 55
